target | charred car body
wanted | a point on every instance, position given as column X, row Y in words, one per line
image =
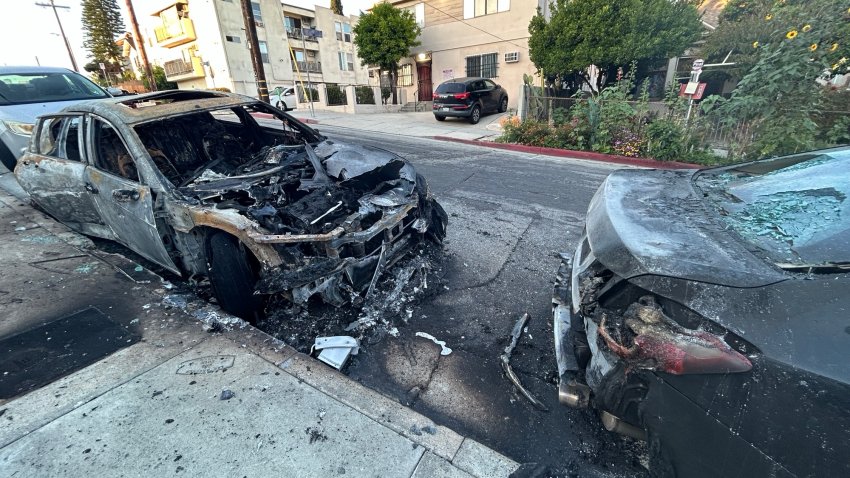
column 708, row 313
column 193, row 182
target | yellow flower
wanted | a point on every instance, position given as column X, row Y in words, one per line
column 842, row 61
column 813, row 47
column 768, row 17
column 834, row 47
column 755, row 44
column 791, row 35
column 835, row 66
column 806, row 28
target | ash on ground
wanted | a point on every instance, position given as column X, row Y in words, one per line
column 415, row 277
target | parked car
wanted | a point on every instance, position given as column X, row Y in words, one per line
column 29, row 91
column 191, row 181
column 283, row 98
column 469, row 98
column 707, row 311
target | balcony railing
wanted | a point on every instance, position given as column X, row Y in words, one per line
column 176, row 70
column 308, row 66
column 298, row 34
column 174, row 34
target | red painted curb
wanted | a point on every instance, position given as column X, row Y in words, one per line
column 270, row 116
column 569, row 153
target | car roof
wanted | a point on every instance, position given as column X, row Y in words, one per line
column 158, row 105
column 464, row 80
column 6, row 70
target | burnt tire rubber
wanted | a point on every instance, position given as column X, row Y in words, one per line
column 232, row 277
column 475, row 115
column 503, row 105
column 440, row 118
column 7, row 158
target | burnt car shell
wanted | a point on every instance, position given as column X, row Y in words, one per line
column 306, row 216
column 655, row 234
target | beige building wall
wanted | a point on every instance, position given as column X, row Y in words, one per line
column 330, row 47
column 450, row 38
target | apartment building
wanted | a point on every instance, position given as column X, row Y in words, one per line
column 487, row 38
column 202, row 44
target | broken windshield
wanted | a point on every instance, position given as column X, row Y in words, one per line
column 797, row 212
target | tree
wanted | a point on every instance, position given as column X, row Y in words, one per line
column 102, row 25
column 162, row 82
column 581, row 33
column 336, row 6
column 741, row 24
column 384, row 36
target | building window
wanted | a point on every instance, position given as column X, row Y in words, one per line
column 291, row 24
column 258, row 14
column 477, row 8
column 264, row 51
column 485, row 66
column 418, row 12
column 233, row 39
column 343, row 31
column 346, row 61
column 405, row 75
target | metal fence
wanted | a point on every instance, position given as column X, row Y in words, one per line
column 364, row 95
column 336, row 95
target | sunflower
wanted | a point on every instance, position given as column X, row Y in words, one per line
column 806, row 28
column 813, row 47
column 791, row 35
column 769, row 17
column 833, row 47
column 755, row 44
column 835, row 66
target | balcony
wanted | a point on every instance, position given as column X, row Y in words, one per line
column 174, row 34
column 178, row 70
column 308, row 67
column 298, row 34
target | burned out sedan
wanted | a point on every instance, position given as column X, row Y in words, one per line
column 192, row 181
column 708, row 312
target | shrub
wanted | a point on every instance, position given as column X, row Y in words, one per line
column 336, row 95
column 665, row 140
column 364, row 95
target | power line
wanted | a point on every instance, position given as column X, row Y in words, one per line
column 473, row 26
column 61, row 30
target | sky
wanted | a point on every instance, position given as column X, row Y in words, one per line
column 29, row 33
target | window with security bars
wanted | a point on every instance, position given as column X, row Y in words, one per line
column 405, row 75
column 485, row 66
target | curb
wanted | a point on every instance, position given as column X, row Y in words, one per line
column 573, row 154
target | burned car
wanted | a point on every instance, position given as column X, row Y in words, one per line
column 223, row 186
column 708, row 313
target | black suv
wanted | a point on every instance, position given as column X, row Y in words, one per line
column 469, row 98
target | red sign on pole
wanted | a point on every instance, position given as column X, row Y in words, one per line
column 697, row 95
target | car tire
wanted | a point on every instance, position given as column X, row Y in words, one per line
column 440, row 118
column 475, row 115
column 503, row 105
column 7, row 158
column 232, row 277
column 282, row 106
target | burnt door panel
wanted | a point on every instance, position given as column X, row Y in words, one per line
column 124, row 204
column 54, row 175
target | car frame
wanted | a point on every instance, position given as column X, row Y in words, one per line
column 480, row 96
column 682, row 333
column 195, row 229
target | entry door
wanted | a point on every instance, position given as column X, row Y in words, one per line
column 124, row 203
column 423, row 72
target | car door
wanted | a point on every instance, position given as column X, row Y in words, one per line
column 289, row 98
column 53, row 173
column 494, row 94
column 125, row 204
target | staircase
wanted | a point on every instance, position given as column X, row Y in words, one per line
column 412, row 106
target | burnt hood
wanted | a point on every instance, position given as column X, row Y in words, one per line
column 653, row 222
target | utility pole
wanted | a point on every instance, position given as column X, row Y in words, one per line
column 140, row 45
column 62, row 30
column 254, row 45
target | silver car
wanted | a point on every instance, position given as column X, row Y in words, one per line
column 27, row 92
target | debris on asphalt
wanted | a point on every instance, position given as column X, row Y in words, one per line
column 444, row 350
column 505, row 360
column 336, row 350
column 226, row 395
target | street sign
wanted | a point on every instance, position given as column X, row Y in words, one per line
column 698, row 63
column 102, row 66
column 692, row 90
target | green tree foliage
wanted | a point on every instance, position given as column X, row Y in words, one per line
column 102, row 24
column 780, row 99
column 609, row 34
column 741, row 24
column 336, row 6
column 162, row 82
column 384, row 36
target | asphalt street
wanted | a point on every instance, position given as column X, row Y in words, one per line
column 509, row 215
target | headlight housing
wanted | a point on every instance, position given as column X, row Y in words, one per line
column 17, row 127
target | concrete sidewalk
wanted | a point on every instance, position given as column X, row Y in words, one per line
column 421, row 124
column 155, row 406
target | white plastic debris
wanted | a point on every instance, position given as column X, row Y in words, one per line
column 445, row 350
column 336, row 350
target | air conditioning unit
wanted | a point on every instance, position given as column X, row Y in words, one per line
column 311, row 53
column 512, row 57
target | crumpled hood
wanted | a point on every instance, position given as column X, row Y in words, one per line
column 347, row 160
column 654, row 222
